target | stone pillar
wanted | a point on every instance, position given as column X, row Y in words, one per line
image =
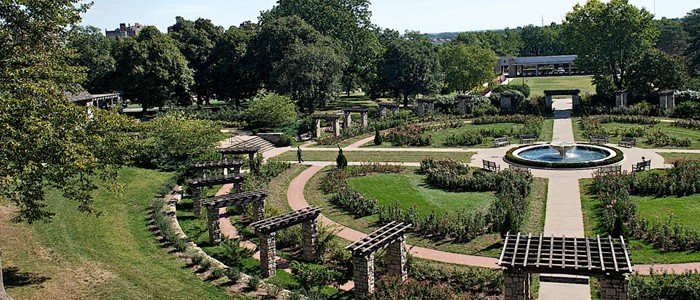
column 268, row 254
column 363, row 275
column 238, row 187
column 576, row 99
column 213, row 224
column 309, row 231
column 667, row 100
column 365, row 119
column 237, row 170
column 569, row 69
column 196, row 201
column 336, row 127
column 548, row 101
column 506, row 102
column 462, row 104
column 613, row 287
column 348, row 120
column 431, row 106
column 621, row 98
column 317, row 126
column 259, row 210
column 517, row 285
column 421, row 109
column 512, row 68
column 202, row 173
column 396, row 255
column 394, row 110
column 3, row 293
column 251, row 158
column 537, row 70
column 382, row 112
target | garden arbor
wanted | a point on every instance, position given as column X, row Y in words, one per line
column 239, row 150
column 197, row 184
column 383, row 106
column 548, row 94
column 462, row 102
column 268, row 228
column 667, row 100
column 225, row 165
column 347, row 112
column 425, row 104
column 333, row 118
column 393, row 237
column 604, row 258
column 214, row 204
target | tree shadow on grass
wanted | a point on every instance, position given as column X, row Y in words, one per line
column 13, row 277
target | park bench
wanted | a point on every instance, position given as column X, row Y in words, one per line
column 607, row 170
column 491, row 166
column 628, row 142
column 502, row 141
column 520, row 169
column 528, row 138
column 305, row 137
column 641, row 166
column 597, row 138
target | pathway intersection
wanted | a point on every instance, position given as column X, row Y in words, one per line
column 563, row 212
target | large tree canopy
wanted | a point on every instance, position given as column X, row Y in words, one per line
column 691, row 23
column 672, row 39
column 542, row 41
column 93, row 52
column 609, row 37
column 233, row 69
column 46, row 140
column 466, row 67
column 655, row 71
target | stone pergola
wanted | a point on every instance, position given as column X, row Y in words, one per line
column 604, row 258
column 197, row 184
column 225, row 165
column 3, row 293
column 256, row 198
column 268, row 228
column 334, row 118
column 393, row 237
column 506, row 100
column 347, row 112
column 425, row 104
column 621, row 98
column 239, row 150
column 548, row 94
column 383, row 106
column 462, row 102
column 667, row 99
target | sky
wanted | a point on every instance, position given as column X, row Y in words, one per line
column 431, row 16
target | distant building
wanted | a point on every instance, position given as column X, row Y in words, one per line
column 125, row 30
column 537, row 66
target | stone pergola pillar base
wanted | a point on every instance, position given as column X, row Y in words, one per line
column 396, row 257
column 613, row 287
column 365, row 119
column 517, row 285
column 268, row 252
column 213, row 224
column 317, row 127
column 421, row 109
column 382, row 112
column 363, row 275
column 348, row 120
column 462, row 104
column 506, row 100
column 309, row 231
column 336, row 127
column 667, row 100
column 548, row 101
column 621, row 98
column 196, row 201
column 259, row 210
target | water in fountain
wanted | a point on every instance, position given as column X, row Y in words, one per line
column 572, row 153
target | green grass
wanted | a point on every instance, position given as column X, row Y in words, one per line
column 539, row 84
column 683, row 209
column 671, row 158
column 410, row 190
column 693, row 135
column 345, row 143
column 375, row 156
column 116, row 251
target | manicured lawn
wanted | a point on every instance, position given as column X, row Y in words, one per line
column 410, row 190
column 539, row 84
column 111, row 256
column 375, row 156
column 683, row 209
column 670, row 158
column 693, row 135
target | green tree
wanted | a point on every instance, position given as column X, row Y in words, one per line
column 691, row 24
column 46, row 140
column 655, row 70
column 270, row 110
column 672, row 38
column 234, row 74
column 609, row 37
column 93, row 52
column 408, row 67
column 196, row 41
column 466, row 67
column 152, row 71
column 542, row 41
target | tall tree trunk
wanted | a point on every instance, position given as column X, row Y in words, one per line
column 3, row 294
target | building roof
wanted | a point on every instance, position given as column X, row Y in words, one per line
column 539, row 60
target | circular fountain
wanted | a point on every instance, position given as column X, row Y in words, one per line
column 563, row 154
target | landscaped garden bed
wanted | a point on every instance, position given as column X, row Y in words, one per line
column 650, row 132
column 374, row 156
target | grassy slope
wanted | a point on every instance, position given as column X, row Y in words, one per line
column 114, row 253
column 684, row 210
column 668, row 128
column 539, row 84
column 375, row 156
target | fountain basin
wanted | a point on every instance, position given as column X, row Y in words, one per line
column 569, row 156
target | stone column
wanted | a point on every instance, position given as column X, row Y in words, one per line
column 421, row 109
column 365, row 119
column 251, row 157
column 621, row 98
column 576, row 100
column 394, row 110
column 363, row 275
column 569, row 69
column 336, row 127
column 202, row 173
column 462, row 105
column 537, row 70
column 317, row 125
column 348, row 120
column 517, row 285
column 259, row 210
column 396, row 255
column 267, row 255
column 506, row 102
column 3, row 293
column 309, row 231
column 196, row 201
column 431, row 106
column 238, row 187
column 548, row 101
column 213, row 223
column 237, row 170
column 613, row 287
column 382, row 112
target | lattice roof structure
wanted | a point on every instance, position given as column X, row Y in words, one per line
column 565, row 255
column 235, row 199
column 239, row 149
column 286, row 220
column 215, row 180
column 378, row 239
column 219, row 164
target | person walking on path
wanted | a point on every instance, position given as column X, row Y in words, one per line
column 301, row 160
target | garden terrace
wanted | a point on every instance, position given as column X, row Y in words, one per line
column 256, row 198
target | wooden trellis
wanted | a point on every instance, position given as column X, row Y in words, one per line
column 379, row 239
column 256, row 198
column 197, row 184
column 235, row 164
column 267, row 229
column 241, row 149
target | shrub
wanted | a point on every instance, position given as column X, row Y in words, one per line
column 233, row 274
column 484, row 109
column 467, row 138
column 378, row 139
column 409, row 135
column 341, row 161
column 312, row 276
column 254, row 282
column 269, row 110
column 665, row 286
column 196, row 259
column 522, row 88
column 353, row 202
column 218, row 273
column 284, row 141
column 206, row 264
column 688, row 109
